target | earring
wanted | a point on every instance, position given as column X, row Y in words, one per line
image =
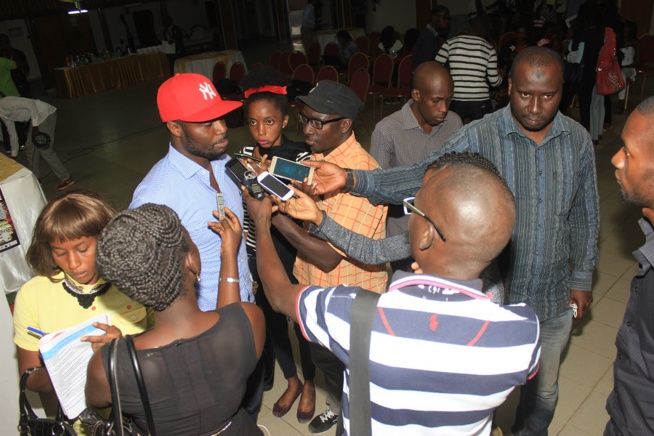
column 198, row 277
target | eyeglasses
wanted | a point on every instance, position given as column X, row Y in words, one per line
column 410, row 208
column 315, row 122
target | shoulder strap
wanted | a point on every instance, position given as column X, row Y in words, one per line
column 361, row 319
column 116, row 409
column 141, row 384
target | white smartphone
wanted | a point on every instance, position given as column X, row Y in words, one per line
column 287, row 169
column 275, row 186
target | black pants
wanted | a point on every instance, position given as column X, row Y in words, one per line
column 471, row 110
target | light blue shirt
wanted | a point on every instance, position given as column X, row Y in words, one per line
column 184, row 186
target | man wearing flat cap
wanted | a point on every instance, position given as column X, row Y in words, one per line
column 327, row 115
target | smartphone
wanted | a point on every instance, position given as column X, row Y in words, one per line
column 247, row 156
column 287, row 169
column 253, row 185
column 236, row 171
column 275, row 186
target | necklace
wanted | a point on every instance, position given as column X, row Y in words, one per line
column 84, row 300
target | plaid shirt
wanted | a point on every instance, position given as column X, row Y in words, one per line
column 356, row 214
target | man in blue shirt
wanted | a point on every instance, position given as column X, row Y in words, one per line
column 548, row 161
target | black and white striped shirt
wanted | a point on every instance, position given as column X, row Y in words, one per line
column 473, row 66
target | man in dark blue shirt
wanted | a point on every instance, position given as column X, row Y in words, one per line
column 631, row 404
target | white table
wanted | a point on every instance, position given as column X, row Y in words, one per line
column 204, row 63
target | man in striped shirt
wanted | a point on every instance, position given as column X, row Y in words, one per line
column 473, row 66
column 548, row 162
column 443, row 356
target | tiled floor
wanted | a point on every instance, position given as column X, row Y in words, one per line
column 110, row 141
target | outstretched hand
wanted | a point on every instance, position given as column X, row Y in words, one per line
column 260, row 211
column 301, row 207
column 98, row 341
column 230, row 231
column 328, row 177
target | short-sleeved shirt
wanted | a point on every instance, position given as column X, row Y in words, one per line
column 443, row 356
column 354, row 213
column 184, row 186
column 46, row 306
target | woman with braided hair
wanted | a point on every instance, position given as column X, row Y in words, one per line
column 195, row 364
column 68, row 289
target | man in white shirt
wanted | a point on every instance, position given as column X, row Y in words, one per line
column 43, row 119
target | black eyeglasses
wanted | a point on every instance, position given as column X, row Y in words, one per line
column 410, row 208
column 315, row 122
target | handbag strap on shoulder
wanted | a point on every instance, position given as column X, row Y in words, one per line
column 145, row 400
column 361, row 320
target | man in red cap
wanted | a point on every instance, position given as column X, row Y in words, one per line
column 188, row 178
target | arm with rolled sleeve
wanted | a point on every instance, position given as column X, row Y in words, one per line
column 584, row 223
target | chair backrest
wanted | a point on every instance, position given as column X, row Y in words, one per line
column 304, row 73
column 331, row 49
column 360, row 83
column 296, row 59
column 219, row 72
column 313, row 54
column 327, row 73
column 382, row 70
column 237, row 72
column 646, row 43
column 374, row 41
column 274, row 59
column 363, row 43
column 508, row 36
column 358, row 60
column 284, row 64
column 404, row 72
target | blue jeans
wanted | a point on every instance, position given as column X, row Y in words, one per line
column 539, row 395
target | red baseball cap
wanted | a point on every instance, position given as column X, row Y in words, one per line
column 193, row 98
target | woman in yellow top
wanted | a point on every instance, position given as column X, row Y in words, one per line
column 67, row 289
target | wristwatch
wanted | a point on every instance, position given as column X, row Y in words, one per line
column 349, row 180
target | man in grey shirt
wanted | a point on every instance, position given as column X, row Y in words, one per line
column 548, row 161
column 408, row 136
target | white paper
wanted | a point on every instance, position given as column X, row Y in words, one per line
column 66, row 359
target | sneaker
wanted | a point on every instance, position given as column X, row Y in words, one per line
column 323, row 422
column 65, row 184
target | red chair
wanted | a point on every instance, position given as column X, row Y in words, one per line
column 219, row 72
column 508, row 36
column 327, row 73
column 296, row 59
column 357, row 61
column 313, row 54
column 284, row 64
column 403, row 89
column 382, row 71
column 374, row 42
column 331, row 49
column 363, row 43
column 646, row 58
column 237, row 72
column 304, row 73
column 359, row 84
column 274, row 59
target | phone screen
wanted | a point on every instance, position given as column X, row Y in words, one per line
column 291, row 170
column 274, row 186
column 236, row 171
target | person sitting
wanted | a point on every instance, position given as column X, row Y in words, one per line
column 346, row 47
column 462, row 218
column 389, row 43
column 68, row 290
column 195, row 364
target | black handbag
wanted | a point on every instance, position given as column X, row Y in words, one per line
column 572, row 73
column 119, row 425
column 31, row 425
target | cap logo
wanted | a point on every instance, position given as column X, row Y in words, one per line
column 207, row 92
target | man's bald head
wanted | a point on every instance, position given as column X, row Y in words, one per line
column 429, row 75
column 464, row 195
column 432, row 93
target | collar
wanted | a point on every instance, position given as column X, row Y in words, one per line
column 433, row 30
column 340, row 153
column 647, row 250
column 187, row 167
column 59, row 277
column 403, row 278
column 510, row 126
column 410, row 122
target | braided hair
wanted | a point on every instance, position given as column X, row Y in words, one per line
column 141, row 252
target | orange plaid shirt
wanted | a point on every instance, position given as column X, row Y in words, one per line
column 354, row 213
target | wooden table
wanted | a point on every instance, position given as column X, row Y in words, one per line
column 114, row 73
column 203, row 63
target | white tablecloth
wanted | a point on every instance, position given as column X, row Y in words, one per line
column 204, row 63
column 25, row 200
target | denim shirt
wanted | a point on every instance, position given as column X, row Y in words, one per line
column 184, row 186
column 554, row 244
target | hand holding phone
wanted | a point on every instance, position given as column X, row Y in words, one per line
column 274, row 186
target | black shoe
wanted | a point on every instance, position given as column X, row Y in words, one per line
column 323, row 422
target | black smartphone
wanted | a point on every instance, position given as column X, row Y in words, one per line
column 245, row 156
column 236, row 171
